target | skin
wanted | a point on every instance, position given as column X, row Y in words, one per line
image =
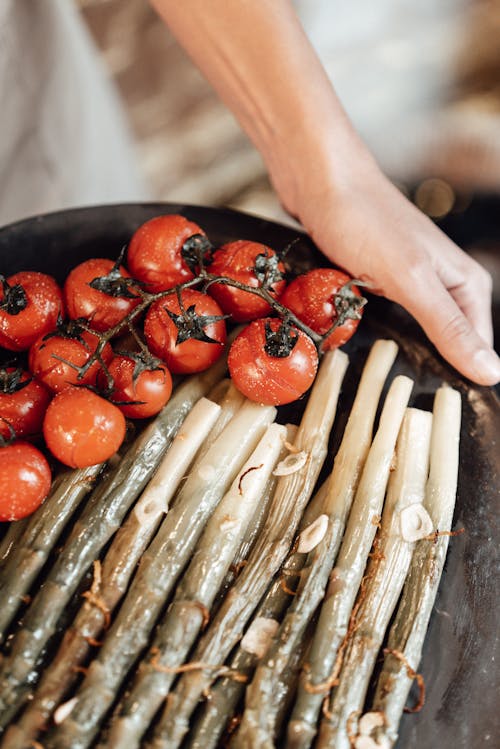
column 258, row 58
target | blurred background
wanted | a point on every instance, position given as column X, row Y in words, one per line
column 421, row 81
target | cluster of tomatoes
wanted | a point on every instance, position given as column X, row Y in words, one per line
column 78, row 388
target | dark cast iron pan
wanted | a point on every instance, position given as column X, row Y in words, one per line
column 460, row 653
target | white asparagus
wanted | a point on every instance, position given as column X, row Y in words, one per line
column 158, row 571
column 117, row 568
column 230, row 404
column 226, row 693
column 292, row 494
column 384, row 579
column 412, row 618
column 262, row 696
column 196, row 592
column 255, row 526
column 350, row 565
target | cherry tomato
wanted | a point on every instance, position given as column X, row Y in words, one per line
column 24, row 480
column 23, row 402
column 107, row 304
column 154, row 253
column 271, row 363
column 136, row 380
column 47, row 353
column 81, row 428
column 312, row 298
column 190, row 340
column 30, row 305
column 250, row 263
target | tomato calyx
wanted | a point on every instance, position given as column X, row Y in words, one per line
column 190, row 324
column 281, row 341
column 347, row 303
column 12, row 382
column 267, row 270
column 15, row 299
column 143, row 360
column 114, row 284
column 196, row 252
column 71, row 329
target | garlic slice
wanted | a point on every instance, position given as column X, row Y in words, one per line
column 258, row 636
column 291, row 464
column 416, row 523
column 312, row 535
column 366, row 742
column 64, row 710
column 369, row 721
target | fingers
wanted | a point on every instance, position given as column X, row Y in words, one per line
column 473, row 297
column 454, row 335
column 469, row 284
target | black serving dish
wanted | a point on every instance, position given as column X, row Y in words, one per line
column 460, row 654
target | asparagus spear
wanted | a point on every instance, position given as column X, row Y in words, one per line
column 407, row 634
column 195, row 593
column 263, row 695
column 230, row 404
column 227, row 692
column 117, row 568
column 158, row 571
column 350, row 564
column 292, row 494
column 102, row 516
column 255, row 526
column 11, row 534
column 39, row 537
column 384, row 579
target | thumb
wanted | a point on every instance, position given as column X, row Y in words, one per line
column 449, row 330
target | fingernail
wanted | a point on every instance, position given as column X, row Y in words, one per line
column 487, row 365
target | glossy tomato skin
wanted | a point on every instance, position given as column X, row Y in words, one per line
column 82, row 429
column 267, row 379
column 311, row 298
column 154, row 253
column 191, row 355
column 237, row 260
column 46, row 354
column 152, row 386
column 24, row 407
column 103, row 310
column 44, row 304
column 24, row 480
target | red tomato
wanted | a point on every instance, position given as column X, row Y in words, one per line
column 135, row 380
column 193, row 339
column 23, row 402
column 30, row 305
column 81, row 428
column 312, row 298
column 103, row 308
column 249, row 263
column 261, row 368
column 46, row 354
column 24, row 480
column 154, row 253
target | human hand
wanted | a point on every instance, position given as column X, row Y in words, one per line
column 364, row 224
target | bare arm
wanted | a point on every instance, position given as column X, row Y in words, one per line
column 262, row 65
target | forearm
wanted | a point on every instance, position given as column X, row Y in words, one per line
column 259, row 60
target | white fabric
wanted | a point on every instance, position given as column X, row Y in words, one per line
column 64, row 140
